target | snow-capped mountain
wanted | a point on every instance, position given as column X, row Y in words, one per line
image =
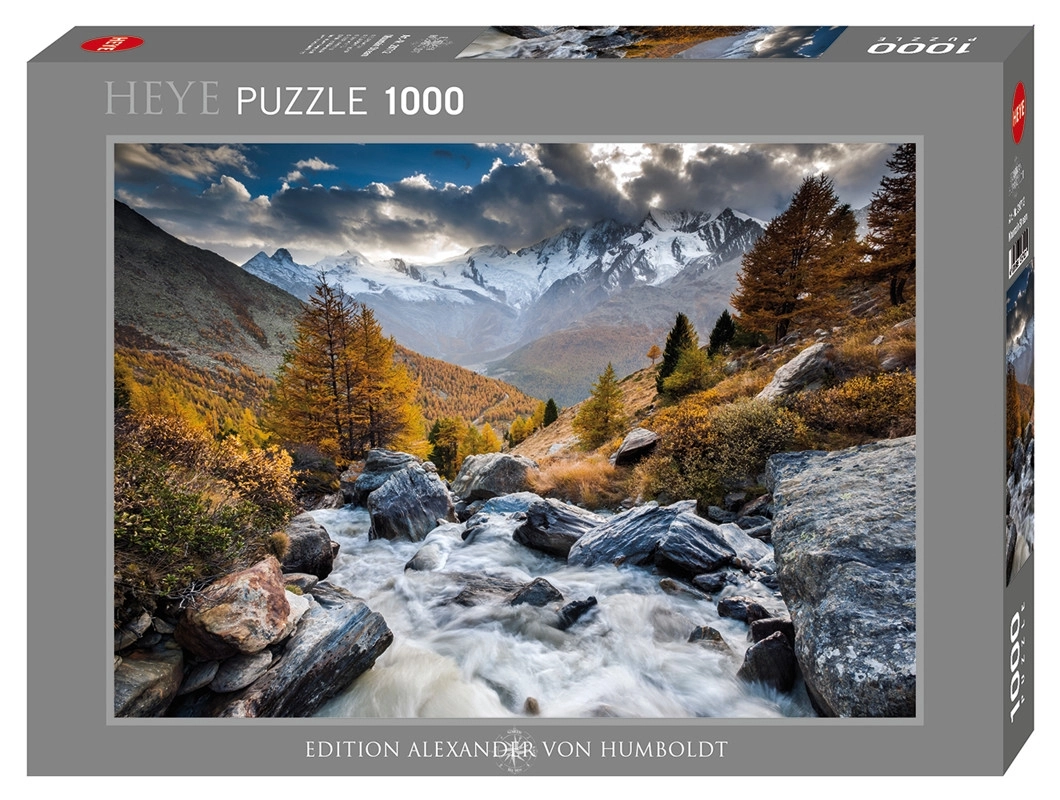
column 489, row 300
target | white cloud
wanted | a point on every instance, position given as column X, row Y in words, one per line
column 314, row 163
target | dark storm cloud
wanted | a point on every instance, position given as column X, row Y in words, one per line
column 531, row 192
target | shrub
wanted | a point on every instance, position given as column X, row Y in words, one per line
column 188, row 508
column 862, row 408
column 706, row 450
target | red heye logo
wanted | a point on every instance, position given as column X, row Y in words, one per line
column 1019, row 112
column 108, row 44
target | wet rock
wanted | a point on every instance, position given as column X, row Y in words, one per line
column 198, row 676
column 436, row 548
column 378, row 467
column 670, row 586
column 310, row 548
column 481, row 588
column 710, row 582
column 742, row 608
column 638, row 445
column 339, row 638
column 672, row 537
column 491, row 475
column 409, row 504
column 239, row 672
column 553, row 527
column 243, row 612
column 710, row 637
column 845, row 540
column 763, row 628
column 147, row 681
column 574, row 611
column 770, row 662
column 806, row 371
column 539, row 592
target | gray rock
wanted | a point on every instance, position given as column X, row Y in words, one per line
column 638, row 445
column 743, row 608
column 198, row 676
column 436, row 548
column 574, row 611
column 378, row 467
column 338, row 639
column 804, row 371
column 770, row 662
column 408, row 505
column 710, row 637
column 309, row 549
column 763, row 628
column 491, row 475
column 302, row 580
column 508, row 503
column 719, row 515
column 239, row 672
column 845, row 545
column 146, row 682
column 553, row 527
column 539, row 592
column 671, row 537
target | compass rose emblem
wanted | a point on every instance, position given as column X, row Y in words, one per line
column 514, row 751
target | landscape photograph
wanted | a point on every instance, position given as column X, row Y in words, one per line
column 653, row 41
column 521, row 429
column 1019, row 423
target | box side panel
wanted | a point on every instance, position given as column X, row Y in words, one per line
column 1019, row 259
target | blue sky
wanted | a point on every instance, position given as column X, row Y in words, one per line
column 427, row 201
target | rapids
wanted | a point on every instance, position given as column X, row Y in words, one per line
column 628, row 657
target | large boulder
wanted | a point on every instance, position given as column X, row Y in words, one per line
column 844, row 535
column 553, row 527
column 491, row 475
column 806, row 371
column 337, row 639
column 243, row 612
column 310, row 549
column 409, row 505
column 672, row 537
column 638, row 445
column 378, row 467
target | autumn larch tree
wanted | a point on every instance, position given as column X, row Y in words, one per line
column 339, row 386
column 682, row 336
column 603, row 415
column 891, row 243
column 653, row 353
column 792, row 272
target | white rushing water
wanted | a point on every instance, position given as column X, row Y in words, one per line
column 628, row 657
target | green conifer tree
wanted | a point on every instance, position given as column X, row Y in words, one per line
column 682, row 337
column 551, row 412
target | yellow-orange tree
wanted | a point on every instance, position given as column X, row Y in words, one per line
column 339, row 387
column 603, row 415
column 792, row 272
